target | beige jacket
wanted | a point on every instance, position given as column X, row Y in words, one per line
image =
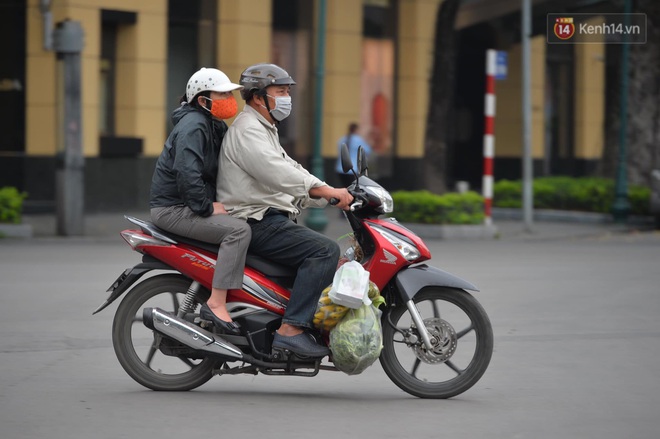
column 255, row 173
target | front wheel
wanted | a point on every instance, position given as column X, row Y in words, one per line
column 147, row 356
column 462, row 336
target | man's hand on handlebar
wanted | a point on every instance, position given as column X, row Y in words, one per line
column 342, row 197
column 339, row 197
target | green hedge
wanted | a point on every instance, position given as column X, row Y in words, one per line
column 11, row 205
column 428, row 208
column 586, row 194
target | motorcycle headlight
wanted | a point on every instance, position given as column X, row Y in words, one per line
column 407, row 250
column 386, row 202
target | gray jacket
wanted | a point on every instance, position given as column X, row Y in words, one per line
column 256, row 173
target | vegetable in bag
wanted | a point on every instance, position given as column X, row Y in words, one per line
column 328, row 313
column 357, row 339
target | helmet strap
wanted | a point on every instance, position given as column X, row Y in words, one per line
column 264, row 94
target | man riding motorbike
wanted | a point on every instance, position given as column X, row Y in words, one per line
column 260, row 183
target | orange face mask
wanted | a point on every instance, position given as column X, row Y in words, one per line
column 223, row 108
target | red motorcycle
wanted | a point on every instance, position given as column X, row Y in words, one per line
column 437, row 339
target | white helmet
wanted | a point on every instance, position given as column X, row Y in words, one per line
column 209, row 80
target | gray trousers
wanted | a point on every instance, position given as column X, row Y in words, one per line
column 232, row 234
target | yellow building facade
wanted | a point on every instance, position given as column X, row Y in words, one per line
column 137, row 57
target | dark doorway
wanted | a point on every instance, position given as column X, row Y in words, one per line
column 465, row 154
column 559, row 112
column 12, row 91
column 191, row 45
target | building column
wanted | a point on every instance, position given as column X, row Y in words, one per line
column 343, row 67
column 415, row 45
column 508, row 119
column 141, row 78
column 244, row 36
column 589, row 101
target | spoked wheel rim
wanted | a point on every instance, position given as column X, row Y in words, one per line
column 140, row 350
column 462, row 340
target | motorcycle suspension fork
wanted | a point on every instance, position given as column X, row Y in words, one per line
column 190, row 300
column 421, row 327
column 419, row 324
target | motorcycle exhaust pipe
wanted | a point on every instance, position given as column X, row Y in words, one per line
column 190, row 335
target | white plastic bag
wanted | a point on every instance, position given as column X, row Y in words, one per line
column 350, row 286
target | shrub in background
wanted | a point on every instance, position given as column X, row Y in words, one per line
column 587, row 194
column 425, row 207
column 507, row 193
column 640, row 200
column 11, row 205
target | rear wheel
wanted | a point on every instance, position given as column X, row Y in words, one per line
column 138, row 348
column 463, row 344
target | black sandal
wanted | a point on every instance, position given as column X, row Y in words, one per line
column 231, row 328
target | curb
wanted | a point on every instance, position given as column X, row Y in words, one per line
column 567, row 216
column 16, row 231
column 448, row 232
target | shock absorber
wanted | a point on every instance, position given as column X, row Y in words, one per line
column 190, row 300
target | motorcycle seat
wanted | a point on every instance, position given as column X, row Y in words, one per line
column 265, row 266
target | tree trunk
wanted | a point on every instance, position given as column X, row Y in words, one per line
column 607, row 164
column 644, row 99
column 441, row 98
column 643, row 112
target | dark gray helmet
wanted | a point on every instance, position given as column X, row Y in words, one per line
column 257, row 77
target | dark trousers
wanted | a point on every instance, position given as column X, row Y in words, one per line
column 314, row 255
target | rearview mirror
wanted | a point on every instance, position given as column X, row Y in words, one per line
column 362, row 161
column 346, row 163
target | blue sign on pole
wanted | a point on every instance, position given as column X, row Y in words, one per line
column 501, row 61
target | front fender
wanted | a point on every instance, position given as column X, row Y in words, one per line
column 411, row 280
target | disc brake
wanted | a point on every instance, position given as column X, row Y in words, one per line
column 443, row 338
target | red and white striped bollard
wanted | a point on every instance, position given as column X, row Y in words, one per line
column 489, row 135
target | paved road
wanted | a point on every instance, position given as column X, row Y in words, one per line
column 577, row 347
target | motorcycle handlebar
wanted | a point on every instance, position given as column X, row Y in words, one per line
column 354, row 205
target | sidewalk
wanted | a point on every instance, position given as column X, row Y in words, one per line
column 108, row 225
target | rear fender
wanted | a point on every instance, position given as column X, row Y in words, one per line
column 412, row 280
column 128, row 278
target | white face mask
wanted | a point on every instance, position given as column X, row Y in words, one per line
column 282, row 107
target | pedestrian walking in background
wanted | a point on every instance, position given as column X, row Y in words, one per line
column 353, row 140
